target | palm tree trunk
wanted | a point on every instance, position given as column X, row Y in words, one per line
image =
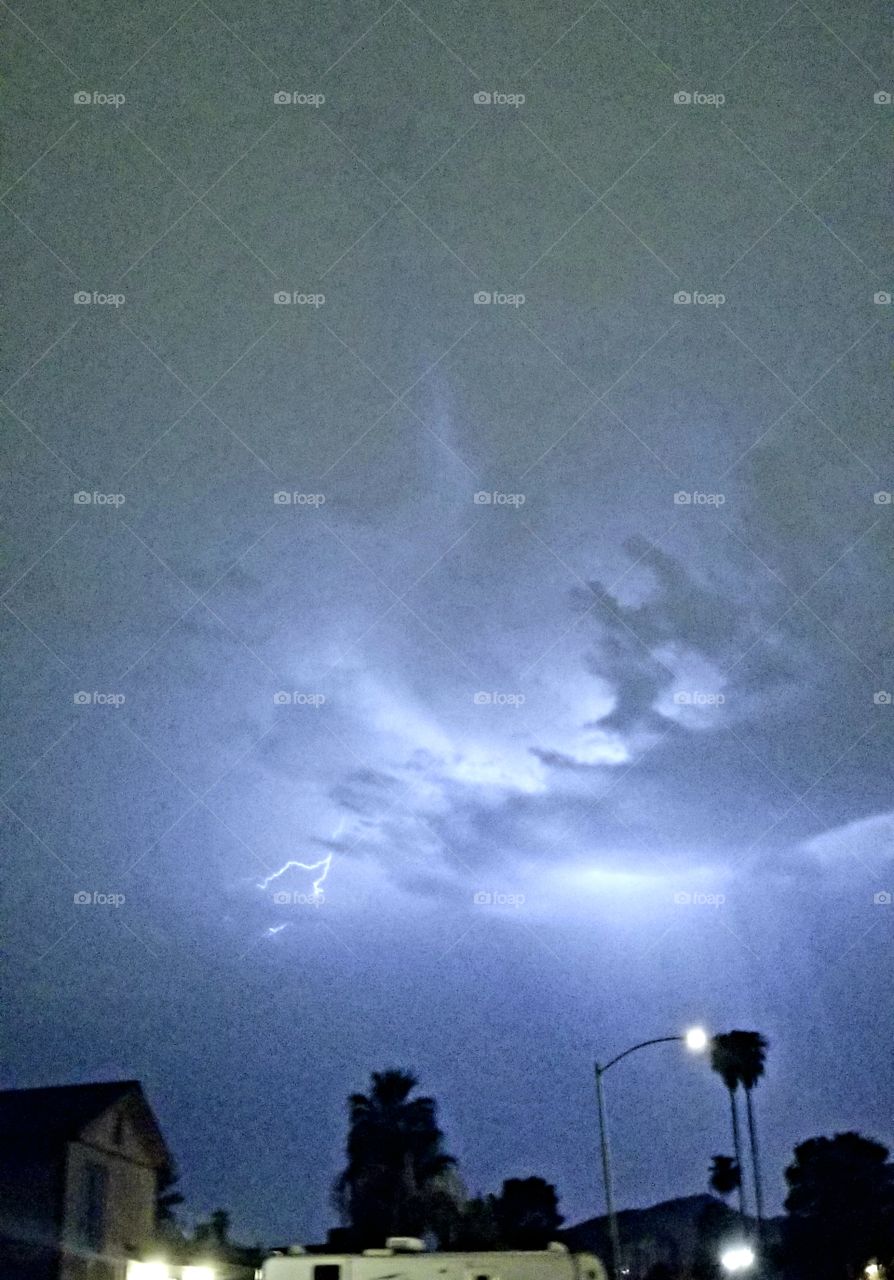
column 737, row 1148
column 755, row 1163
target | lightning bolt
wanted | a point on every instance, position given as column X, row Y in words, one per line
column 325, row 863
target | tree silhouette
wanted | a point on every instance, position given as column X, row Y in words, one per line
column 215, row 1233
column 527, row 1212
column 724, row 1175
column 840, row 1207
column 725, row 1062
column 738, row 1057
column 167, row 1199
column 396, row 1179
column 750, row 1051
column 477, row 1227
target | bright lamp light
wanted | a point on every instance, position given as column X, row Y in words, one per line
column 148, row 1271
column 198, row 1273
column 696, row 1039
column 738, row 1257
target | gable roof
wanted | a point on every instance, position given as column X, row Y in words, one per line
column 60, row 1113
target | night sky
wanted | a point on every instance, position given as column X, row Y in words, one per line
column 594, row 759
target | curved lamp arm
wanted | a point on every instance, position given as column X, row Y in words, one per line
column 633, row 1048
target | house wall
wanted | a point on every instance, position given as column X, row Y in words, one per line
column 129, row 1217
column 31, row 1183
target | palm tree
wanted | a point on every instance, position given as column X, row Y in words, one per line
column 724, row 1175
column 750, row 1050
column 725, row 1062
column 396, row 1181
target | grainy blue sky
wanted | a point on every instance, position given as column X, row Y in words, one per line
column 579, row 599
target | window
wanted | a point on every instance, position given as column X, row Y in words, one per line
column 327, row 1271
column 93, row 1206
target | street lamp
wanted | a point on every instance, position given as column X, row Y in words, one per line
column 738, row 1257
column 695, row 1039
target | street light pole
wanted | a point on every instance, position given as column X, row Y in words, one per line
column 695, row 1039
column 607, row 1176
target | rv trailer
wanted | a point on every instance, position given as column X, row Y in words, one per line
column 407, row 1259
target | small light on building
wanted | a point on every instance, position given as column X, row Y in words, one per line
column 738, row 1257
column 148, row 1271
column 199, row 1273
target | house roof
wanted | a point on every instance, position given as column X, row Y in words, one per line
column 60, row 1113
